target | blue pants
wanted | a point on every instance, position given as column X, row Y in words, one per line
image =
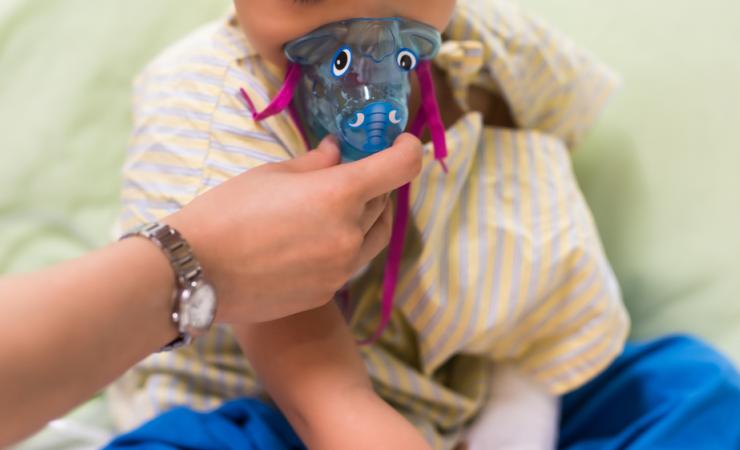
column 672, row 393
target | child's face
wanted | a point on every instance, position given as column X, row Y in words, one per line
column 270, row 24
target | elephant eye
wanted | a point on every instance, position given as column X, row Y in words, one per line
column 393, row 117
column 406, row 60
column 359, row 119
column 342, row 62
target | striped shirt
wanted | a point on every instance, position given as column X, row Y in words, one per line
column 502, row 263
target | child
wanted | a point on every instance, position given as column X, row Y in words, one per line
column 505, row 299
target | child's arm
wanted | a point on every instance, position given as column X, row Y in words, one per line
column 311, row 367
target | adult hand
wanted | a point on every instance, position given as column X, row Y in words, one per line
column 284, row 237
column 275, row 241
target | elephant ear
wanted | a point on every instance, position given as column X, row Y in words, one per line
column 421, row 38
column 316, row 46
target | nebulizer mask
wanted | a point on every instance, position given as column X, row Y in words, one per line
column 350, row 79
column 355, row 82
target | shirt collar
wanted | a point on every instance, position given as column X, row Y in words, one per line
column 236, row 38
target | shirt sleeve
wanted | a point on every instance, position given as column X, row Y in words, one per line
column 574, row 322
column 191, row 132
column 550, row 84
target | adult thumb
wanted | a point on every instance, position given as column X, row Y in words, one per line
column 387, row 170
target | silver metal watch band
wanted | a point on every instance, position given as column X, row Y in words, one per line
column 186, row 267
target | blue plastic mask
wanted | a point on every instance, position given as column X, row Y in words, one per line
column 351, row 79
column 355, row 80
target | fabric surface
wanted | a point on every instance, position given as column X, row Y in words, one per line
column 243, row 424
column 503, row 261
column 671, row 393
column 87, row 427
column 661, row 172
column 65, row 82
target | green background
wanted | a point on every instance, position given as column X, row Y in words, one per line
column 660, row 170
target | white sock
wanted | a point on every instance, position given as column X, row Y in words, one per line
column 520, row 415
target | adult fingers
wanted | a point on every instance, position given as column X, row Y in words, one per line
column 384, row 171
column 373, row 209
column 324, row 156
column 377, row 237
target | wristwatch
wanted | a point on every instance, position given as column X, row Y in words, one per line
column 194, row 306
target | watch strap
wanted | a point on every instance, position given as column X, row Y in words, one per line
column 170, row 241
column 183, row 262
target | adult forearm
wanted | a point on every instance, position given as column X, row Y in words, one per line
column 69, row 330
column 83, row 324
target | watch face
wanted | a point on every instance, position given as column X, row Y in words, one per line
column 200, row 308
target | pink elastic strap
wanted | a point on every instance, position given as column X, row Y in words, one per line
column 393, row 266
column 282, row 99
column 428, row 115
column 431, row 109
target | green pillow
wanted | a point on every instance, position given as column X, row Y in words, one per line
column 67, row 67
column 661, row 169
